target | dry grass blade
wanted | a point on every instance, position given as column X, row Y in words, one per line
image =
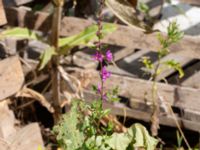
column 171, row 112
column 72, row 86
column 68, row 81
column 26, row 92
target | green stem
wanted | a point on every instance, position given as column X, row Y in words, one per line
column 155, row 99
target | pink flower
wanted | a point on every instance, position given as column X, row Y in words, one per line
column 105, row 74
column 98, row 56
column 109, row 56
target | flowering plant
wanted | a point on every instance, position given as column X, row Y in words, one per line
column 84, row 128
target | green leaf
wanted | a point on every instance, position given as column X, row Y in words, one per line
column 137, row 136
column 174, row 34
column 112, row 96
column 179, row 139
column 84, row 37
column 143, row 7
column 175, row 65
column 18, row 33
column 68, row 135
column 141, row 137
column 46, row 57
column 147, row 62
column 118, row 141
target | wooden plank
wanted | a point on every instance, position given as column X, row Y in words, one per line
column 7, row 123
column 11, row 77
column 132, row 64
column 192, row 2
column 84, row 59
column 125, row 66
column 22, row 17
column 28, row 138
column 120, row 54
column 122, row 110
column 4, row 145
column 137, row 89
column 9, row 3
column 193, row 81
column 191, row 115
column 2, row 14
column 192, row 76
column 124, row 36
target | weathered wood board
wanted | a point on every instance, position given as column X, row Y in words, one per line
column 193, row 81
column 192, row 2
column 7, row 123
column 2, row 14
column 28, row 138
column 192, row 76
column 137, row 89
column 121, row 110
column 11, row 77
column 129, row 37
column 16, row 2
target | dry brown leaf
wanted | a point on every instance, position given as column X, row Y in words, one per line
column 70, row 87
column 126, row 13
column 26, row 92
column 118, row 127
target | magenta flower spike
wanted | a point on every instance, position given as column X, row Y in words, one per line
column 105, row 74
column 98, row 56
column 109, row 56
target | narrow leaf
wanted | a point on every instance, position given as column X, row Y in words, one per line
column 84, row 37
column 18, row 33
column 46, row 57
column 176, row 66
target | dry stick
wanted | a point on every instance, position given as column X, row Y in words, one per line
column 156, row 110
column 55, row 76
column 175, row 120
